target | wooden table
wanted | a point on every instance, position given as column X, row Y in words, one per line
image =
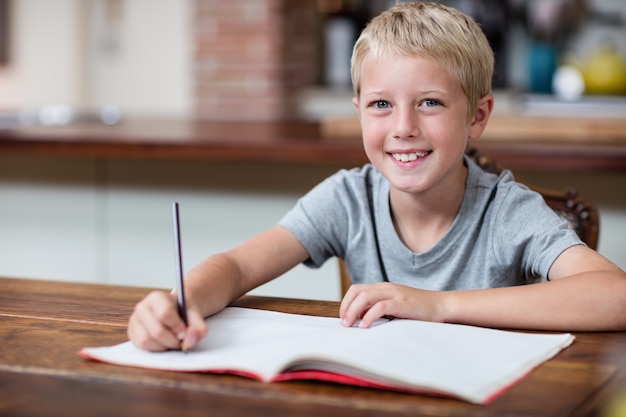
column 43, row 324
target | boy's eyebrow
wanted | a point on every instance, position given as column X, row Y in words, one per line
column 370, row 92
column 423, row 92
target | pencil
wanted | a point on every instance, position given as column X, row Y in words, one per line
column 180, row 288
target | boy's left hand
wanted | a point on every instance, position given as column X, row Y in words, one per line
column 370, row 302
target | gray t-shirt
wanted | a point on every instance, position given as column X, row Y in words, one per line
column 504, row 234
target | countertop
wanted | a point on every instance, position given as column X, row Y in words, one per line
column 558, row 144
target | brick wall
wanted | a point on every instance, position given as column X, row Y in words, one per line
column 252, row 57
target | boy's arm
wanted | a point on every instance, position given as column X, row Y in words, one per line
column 220, row 279
column 585, row 292
column 210, row 286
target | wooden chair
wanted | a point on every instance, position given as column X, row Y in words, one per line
column 581, row 215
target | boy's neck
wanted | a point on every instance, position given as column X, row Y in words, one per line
column 422, row 219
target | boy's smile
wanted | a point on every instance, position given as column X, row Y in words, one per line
column 408, row 157
column 414, row 120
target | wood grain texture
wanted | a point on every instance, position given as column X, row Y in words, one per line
column 43, row 324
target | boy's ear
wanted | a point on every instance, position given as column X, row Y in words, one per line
column 481, row 117
column 355, row 101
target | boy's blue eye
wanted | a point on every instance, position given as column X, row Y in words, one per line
column 381, row 104
column 429, row 102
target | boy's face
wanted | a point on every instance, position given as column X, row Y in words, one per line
column 414, row 122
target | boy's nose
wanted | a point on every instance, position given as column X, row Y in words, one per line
column 405, row 124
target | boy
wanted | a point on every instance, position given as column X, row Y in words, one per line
column 454, row 243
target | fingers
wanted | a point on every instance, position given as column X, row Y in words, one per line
column 196, row 329
column 365, row 302
column 155, row 324
column 370, row 302
column 346, row 302
column 377, row 311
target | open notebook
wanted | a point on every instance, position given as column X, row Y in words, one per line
column 466, row 362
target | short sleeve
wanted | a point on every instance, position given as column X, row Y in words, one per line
column 528, row 233
column 321, row 219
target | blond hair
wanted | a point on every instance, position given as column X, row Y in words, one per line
column 430, row 30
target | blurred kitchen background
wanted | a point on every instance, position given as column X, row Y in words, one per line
column 210, row 58
column 106, row 220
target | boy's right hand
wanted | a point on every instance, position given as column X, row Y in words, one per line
column 155, row 324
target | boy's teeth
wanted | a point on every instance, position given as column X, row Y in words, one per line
column 406, row 157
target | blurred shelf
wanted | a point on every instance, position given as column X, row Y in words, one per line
column 532, row 143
